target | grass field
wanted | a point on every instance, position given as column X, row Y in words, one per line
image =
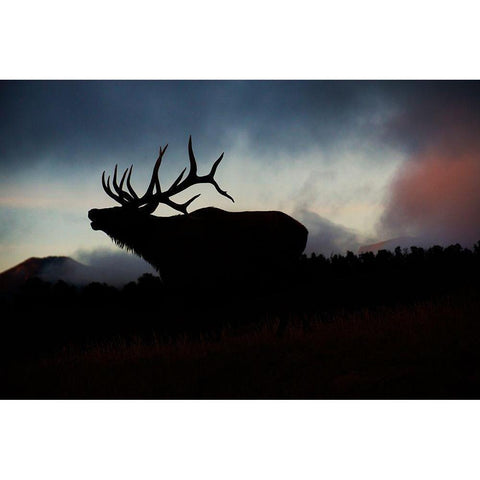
column 430, row 349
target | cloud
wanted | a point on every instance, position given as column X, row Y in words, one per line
column 113, row 267
column 67, row 123
column 436, row 197
column 326, row 237
column 433, row 113
column 435, row 194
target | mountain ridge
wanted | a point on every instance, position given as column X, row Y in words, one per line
column 51, row 268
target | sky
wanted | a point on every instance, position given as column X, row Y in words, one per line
column 356, row 161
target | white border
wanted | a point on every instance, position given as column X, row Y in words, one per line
column 240, row 40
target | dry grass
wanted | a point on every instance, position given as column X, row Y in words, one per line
column 428, row 350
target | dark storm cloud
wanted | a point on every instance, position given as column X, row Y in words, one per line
column 80, row 120
column 77, row 121
column 435, row 195
column 432, row 113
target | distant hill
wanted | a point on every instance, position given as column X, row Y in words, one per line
column 391, row 244
column 50, row 269
column 113, row 269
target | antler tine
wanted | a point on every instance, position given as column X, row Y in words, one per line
column 108, row 191
column 188, row 202
column 119, row 188
column 149, row 201
column 193, row 178
column 191, row 156
column 216, row 164
column 177, row 181
column 129, row 185
column 214, row 182
column 181, row 207
column 154, row 181
column 122, row 180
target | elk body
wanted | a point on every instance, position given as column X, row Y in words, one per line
column 205, row 248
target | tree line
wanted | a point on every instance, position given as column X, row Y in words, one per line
column 54, row 314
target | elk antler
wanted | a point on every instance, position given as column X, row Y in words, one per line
column 154, row 194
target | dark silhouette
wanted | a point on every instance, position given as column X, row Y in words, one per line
column 205, row 248
column 46, row 312
column 407, row 319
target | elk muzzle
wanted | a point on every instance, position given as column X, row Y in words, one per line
column 93, row 215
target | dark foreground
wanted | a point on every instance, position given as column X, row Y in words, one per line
column 367, row 332
column 428, row 350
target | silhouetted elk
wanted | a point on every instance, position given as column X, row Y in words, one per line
column 205, row 248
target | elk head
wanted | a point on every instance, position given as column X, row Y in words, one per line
column 118, row 222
